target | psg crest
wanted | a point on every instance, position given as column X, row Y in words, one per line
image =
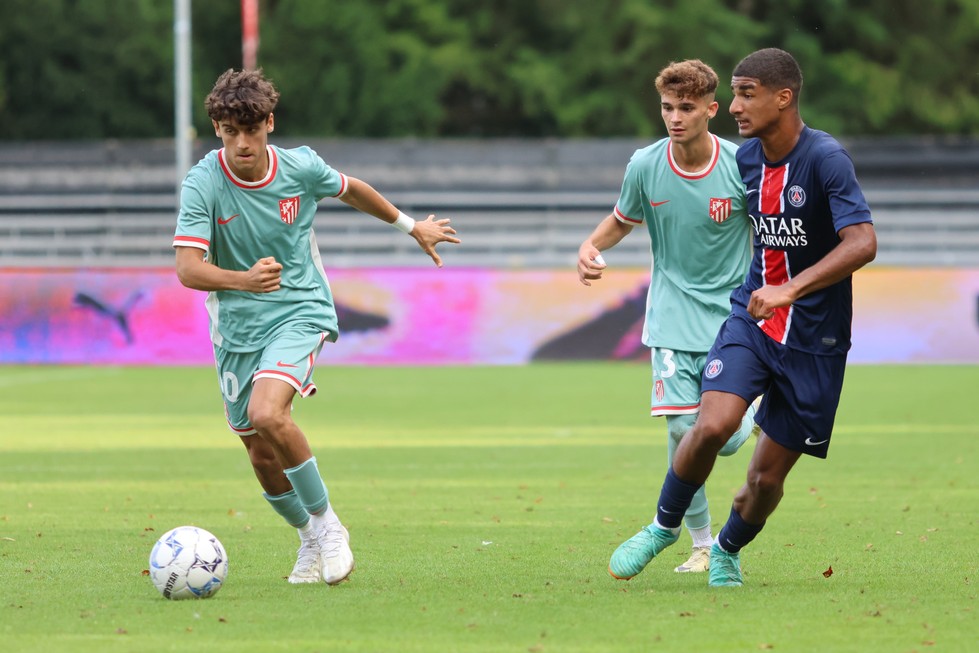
column 289, row 209
column 713, row 368
column 797, row 196
column 720, row 209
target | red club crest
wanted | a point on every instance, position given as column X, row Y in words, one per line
column 720, row 209
column 289, row 209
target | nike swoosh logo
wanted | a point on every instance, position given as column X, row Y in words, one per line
column 816, row 444
column 655, row 204
column 668, row 512
column 281, row 364
column 751, row 190
column 227, row 220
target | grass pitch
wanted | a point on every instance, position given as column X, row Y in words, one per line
column 483, row 504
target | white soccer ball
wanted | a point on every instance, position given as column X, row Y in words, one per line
column 188, row 563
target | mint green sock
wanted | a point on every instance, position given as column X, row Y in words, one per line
column 741, row 435
column 698, row 514
column 289, row 507
column 309, row 486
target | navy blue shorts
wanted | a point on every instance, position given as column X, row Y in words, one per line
column 802, row 391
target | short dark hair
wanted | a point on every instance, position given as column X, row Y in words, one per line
column 688, row 79
column 773, row 68
column 243, row 96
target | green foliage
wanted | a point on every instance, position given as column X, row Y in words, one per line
column 364, row 68
column 426, row 68
column 86, row 69
column 880, row 66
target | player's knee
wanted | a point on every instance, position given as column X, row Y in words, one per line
column 767, row 485
column 716, row 430
column 264, row 418
column 678, row 425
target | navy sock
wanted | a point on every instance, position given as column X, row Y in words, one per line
column 737, row 533
column 674, row 499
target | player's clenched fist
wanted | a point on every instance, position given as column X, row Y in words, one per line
column 264, row 276
column 590, row 264
column 765, row 300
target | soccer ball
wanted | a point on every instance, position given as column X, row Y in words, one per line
column 188, row 563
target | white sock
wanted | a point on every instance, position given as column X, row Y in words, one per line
column 326, row 517
column 306, row 531
column 659, row 525
column 702, row 539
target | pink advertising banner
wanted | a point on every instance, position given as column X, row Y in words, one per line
column 392, row 316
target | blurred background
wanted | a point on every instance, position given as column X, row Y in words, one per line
column 514, row 118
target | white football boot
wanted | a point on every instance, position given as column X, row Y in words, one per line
column 335, row 557
column 307, row 568
column 698, row 562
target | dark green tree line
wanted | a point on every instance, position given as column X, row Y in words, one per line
column 94, row 69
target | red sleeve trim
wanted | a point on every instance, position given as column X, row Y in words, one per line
column 344, row 184
column 191, row 241
column 622, row 217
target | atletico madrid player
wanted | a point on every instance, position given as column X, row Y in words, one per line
column 686, row 190
column 245, row 235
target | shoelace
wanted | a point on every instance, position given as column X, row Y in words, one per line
column 308, row 553
column 333, row 542
column 726, row 569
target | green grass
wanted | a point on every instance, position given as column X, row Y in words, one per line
column 483, row 504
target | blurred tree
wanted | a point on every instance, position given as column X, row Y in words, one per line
column 360, row 68
column 216, row 46
column 86, row 69
column 577, row 68
column 880, row 66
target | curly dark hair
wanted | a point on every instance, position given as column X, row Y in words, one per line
column 688, row 79
column 773, row 68
column 243, row 96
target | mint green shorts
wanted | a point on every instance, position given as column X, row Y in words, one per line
column 676, row 381
column 290, row 358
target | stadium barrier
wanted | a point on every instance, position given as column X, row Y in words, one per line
column 518, row 204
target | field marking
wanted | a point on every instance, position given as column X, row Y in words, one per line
column 134, row 432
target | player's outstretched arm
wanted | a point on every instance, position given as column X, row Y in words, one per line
column 429, row 233
column 607, row 234
column 194, row 272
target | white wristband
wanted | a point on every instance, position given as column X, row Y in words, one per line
column 404, row 223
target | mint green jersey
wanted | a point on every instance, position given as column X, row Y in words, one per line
column 238, row 222
column 700, row 237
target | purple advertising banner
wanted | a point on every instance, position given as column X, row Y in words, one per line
column 391, row 316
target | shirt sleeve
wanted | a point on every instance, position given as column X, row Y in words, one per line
column 193, row 220
column 629, row 207
column 326, row 181
column 846, row 200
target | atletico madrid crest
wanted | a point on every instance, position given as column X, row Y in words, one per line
column 720, row 209
column 289, row 209
column 660, row 390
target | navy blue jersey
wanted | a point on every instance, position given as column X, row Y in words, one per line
column 798, row 206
